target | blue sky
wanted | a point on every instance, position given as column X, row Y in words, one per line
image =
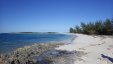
column 50, row 15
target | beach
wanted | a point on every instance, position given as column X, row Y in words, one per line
column 84, row 49
column 98, row 48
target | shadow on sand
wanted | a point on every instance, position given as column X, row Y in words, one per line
column 109, row 58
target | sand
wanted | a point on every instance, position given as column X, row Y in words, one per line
column 98, row 49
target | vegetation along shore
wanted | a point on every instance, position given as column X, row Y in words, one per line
column 96, row 28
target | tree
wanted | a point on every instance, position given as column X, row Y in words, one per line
column 108, row 27
column 78, row 29
column 99, row 27
column 91, row 28
column 71, row 30
column 88, row 28
column 83, row 27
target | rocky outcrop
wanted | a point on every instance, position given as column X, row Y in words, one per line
column 43, row 53
column 59, row 57
column 27, row 54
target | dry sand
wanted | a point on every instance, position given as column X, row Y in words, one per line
column 99, row 49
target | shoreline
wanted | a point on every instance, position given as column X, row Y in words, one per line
column 43, row 53
column 84, row 49
column 98, row 48
column 11, row 42
column 27, row 53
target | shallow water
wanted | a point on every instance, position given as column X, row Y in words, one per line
column 10, row 42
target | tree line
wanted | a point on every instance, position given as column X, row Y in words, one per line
column 98, row 27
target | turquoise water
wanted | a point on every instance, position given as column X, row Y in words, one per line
column 10, row 42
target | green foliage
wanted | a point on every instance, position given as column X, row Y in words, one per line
column 71, row 30
column 108, row 27
column 77, row 29
column 99, row 27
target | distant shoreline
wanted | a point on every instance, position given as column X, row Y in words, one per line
column 31, row 33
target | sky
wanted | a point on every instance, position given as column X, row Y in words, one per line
column 51, row 15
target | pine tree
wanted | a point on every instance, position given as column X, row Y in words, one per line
column 71, row 30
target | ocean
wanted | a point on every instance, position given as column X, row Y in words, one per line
column 10, row 42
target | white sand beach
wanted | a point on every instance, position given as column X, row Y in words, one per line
column 98, row 49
